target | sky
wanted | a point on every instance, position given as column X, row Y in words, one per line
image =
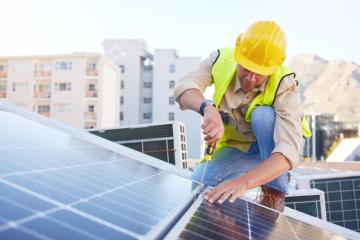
column 327, row 28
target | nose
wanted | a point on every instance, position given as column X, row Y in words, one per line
column 253, row 77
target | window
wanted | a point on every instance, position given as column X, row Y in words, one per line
column 146, row 115
column 121, row 116
column 91, row 65
column 62, row 86
column 147, row 100
column 3, row 68
column 122, row 84
column 43, row 108
column 172, row 68
column 171, row 100
column 171, row 116
column 172, row 84
column 92, row 87
column 89, row 126
column 121, row 100
column 91, row 108
column 64, row 65
column 122, row 68
column 147, row 84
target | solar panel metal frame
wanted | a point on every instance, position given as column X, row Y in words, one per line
column 172, row 217
column 310, row 192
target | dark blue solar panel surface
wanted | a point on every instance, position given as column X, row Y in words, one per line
column 307, row 204
column 342, row 197
column 245, row 220
column 56, row 186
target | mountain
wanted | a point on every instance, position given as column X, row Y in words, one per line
column 328, row 86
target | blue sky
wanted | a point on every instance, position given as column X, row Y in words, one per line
column 329, row 29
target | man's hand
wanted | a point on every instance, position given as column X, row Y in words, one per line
column 212, row 126
column 231, row 190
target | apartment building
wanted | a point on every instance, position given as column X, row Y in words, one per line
column 81, row 90
column 135, row 63
column 168, row 68
column 147, row 86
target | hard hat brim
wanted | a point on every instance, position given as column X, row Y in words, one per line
column 251, row 66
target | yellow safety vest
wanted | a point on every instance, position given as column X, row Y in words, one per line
column 223, row 72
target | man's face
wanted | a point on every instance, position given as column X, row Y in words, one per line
column 248, row 79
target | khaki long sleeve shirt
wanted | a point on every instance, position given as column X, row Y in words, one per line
column 287, row 133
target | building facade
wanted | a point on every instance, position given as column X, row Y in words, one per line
column 168, row 68
column 147, row 87
column 135, row 65
column 80, row 90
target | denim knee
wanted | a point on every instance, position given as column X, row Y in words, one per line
column 281, row 183
column 263, row 116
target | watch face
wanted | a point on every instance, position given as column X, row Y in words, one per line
column 208, row 102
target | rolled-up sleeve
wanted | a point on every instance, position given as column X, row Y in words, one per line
column 288, row 132
column 198, row 79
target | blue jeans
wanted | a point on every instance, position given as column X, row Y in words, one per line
column 229, row 163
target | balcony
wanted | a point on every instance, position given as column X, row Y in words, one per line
column 45, row 114
column 42, row 74
column 90, row 115
column 42, row 94
column 91, row 93
column 3, row 74
column 92, row 72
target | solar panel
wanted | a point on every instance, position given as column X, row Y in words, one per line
column 57, row 186
column 310, row 201
column 342, row 196
column 165, row 141
column 243, row 220
column 60, row 183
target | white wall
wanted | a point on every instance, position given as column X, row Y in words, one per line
column 109, row 92
column 129, row 53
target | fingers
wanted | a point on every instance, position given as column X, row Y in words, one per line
column 225, row 196
column 226, row 191
column 214, row 194
column 235, row 196
column 212, row 131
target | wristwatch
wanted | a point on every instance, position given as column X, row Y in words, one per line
column 204, row 103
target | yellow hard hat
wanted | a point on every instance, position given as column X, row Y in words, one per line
column 261, row 48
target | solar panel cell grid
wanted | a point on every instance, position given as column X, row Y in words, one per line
column 309, row 204
column 342, row 197
column 53, row 186
column 244, row 220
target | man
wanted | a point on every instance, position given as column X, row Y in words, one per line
column 264, row 137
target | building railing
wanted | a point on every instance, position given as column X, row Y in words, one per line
column 90, row 115
column 3, row 74
column 42, row 94
column 91, row 93
column 92, row 72
column 43, row 74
